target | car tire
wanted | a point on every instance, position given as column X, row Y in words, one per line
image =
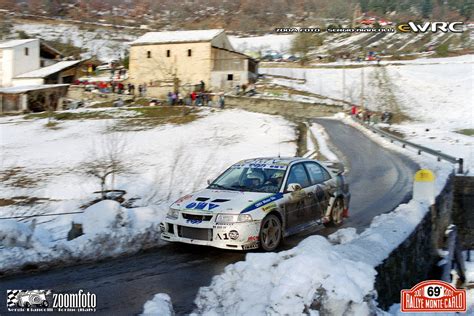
column 270, row 233
column 336, row 214
column 45, row 304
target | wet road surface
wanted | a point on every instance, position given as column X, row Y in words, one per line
column 379, row 180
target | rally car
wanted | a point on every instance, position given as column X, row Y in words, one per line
column 257, row 202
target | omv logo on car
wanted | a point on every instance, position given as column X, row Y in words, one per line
column 202, row 206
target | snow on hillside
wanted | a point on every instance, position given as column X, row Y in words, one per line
column 109, row 43
column 105, row 43
column 437, row 94
column 46, row 166
column 280, row 43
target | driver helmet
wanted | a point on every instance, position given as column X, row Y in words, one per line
column 256, row 177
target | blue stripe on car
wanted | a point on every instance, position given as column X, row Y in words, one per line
column 263, row 202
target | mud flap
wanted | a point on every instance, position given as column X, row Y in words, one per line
column 327, row 217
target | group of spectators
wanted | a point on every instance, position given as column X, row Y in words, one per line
column 370, row 117
column 114, row 87
column 196, row 98
column 244, row 89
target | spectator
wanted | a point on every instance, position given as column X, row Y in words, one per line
column 354, row 110
column 140, row 90
column 170, row 98
column 244, row 88
column 221, row 100
column 173, row 98
column 193, row 98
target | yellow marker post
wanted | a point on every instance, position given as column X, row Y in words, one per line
column 423, row 186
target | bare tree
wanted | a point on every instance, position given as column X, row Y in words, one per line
column 107, row 161
column 303, row 43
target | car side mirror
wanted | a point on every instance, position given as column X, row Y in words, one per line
column 292, row 187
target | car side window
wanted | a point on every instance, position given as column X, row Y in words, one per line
column 317, row 174
column 298, row 175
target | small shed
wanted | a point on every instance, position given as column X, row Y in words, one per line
column 61, row 72
column 36, row 98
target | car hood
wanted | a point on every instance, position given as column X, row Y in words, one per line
column 221, row 201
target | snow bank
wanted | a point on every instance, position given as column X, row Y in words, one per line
column 109, row 230
column 160, row 305
column 323, row 139
column 312, row 276
column 317, row 276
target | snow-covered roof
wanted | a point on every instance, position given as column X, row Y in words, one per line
column 49, row 70
column 178, row 36
column 21, row 89
column 13, row 43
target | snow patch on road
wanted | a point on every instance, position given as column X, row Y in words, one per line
column 323, row 140
column 160, row 305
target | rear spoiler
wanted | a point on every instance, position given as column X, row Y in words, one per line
column 335, row 167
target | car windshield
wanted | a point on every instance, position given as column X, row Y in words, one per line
column 250, row 179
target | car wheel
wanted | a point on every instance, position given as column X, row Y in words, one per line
column 336, row 214
column 27, row 304
column 45, row 304
column 270, row 233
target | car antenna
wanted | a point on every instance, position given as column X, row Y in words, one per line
column 279, row 144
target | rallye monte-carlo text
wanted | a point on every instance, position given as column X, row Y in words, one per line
column 257, row 202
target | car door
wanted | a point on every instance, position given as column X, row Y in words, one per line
column 321, row 188
column 298, row 202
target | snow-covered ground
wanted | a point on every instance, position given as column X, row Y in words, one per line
column 163, row 164
column 279, row 43
column 437, row 94
column 333, row 277
column 160, row 305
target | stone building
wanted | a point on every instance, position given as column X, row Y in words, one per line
column 180, row 60
column 35, row 98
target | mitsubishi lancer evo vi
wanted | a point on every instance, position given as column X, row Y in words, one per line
column 257, row 202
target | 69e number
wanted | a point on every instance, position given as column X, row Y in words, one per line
column 434, row 291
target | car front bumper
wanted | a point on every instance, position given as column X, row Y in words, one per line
column 235, row 236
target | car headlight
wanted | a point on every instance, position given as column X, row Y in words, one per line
column 233, row 218
column 173, row 213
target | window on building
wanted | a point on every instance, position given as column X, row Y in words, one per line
column 168, row 53
column 27, row 51
column 189, row 53
column 148, row 54
column 230, row 77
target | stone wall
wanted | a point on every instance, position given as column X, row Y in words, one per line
column 282, row 107
column 463, row 210
column 415, row 259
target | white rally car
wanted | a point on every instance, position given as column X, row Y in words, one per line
column 257, row 202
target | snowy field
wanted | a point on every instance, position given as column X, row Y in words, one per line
column 437, row 94
column 163, row 163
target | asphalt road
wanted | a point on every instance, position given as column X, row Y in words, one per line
column 379, row 180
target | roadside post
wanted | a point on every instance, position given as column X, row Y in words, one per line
column 423, row 186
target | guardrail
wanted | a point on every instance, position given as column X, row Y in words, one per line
column 438, row 154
